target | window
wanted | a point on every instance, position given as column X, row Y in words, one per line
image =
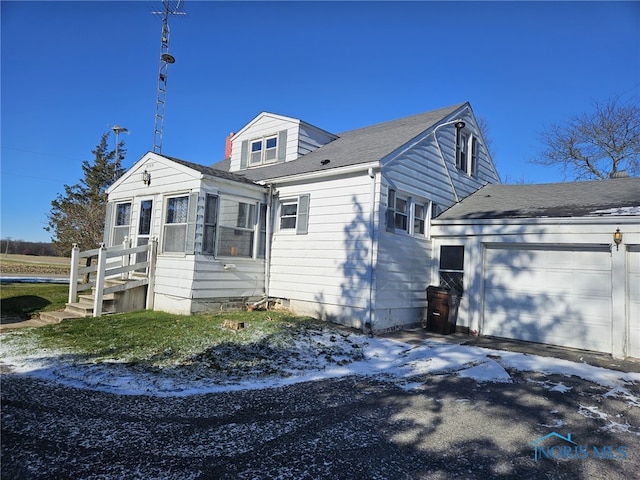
column 144, row 226
column 262, row 231
column 264, row 150
column 462, row 146
column 236, row 228
column 419, row 218
column 175, row 229
column 473, row 164
column 288, row 215
column 271, row 150
column 256, row 152
column 122, row 222
column 467, row 147
column 294, row 215
column 452, row 267
column 210, row 223
column 405, row 214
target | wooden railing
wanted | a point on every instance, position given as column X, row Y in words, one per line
column 112, row 263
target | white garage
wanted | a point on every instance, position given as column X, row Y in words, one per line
column 555, row 264
column 546, row 294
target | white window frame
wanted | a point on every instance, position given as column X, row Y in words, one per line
column 284, row 203
column 467, row 152
column 166, row 223
column 124, row 227
column 265, row 154
column 211, row 225
column 412, row 206
column 301, row 216
column 249, row 224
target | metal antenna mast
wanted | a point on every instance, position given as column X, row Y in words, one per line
column 170, row 8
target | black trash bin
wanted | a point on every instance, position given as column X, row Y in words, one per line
column 442, row 310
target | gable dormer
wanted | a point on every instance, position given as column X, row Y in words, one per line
column 271, row 138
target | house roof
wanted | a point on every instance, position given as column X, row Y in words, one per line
column 212, row 172
column 355, row 147
column 619, row 196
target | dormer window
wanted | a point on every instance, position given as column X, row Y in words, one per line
column 264, row 150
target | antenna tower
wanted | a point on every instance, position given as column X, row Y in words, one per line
column 170, row 8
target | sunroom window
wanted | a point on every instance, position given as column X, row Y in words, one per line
column 122, row 222
column 237, row 228
column 210, row 223
column 175, row 228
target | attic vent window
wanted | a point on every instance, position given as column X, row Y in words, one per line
column 264, row 150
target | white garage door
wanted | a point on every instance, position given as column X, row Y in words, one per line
column 634, row 302
column 549, row 295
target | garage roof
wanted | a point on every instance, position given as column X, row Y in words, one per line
column 620, row 196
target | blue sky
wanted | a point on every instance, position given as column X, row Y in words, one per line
column 71, row 70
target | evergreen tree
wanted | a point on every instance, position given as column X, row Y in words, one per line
column 78, row 215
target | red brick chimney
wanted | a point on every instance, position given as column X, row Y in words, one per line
column 227, row 146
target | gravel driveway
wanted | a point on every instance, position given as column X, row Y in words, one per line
column 353, row 427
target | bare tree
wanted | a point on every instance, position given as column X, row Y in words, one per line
column 596, row 145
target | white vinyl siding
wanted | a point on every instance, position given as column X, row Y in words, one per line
column 327, row 269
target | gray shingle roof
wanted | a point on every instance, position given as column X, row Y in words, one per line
column 213, row 172
column 574, row 199
column 354, row 147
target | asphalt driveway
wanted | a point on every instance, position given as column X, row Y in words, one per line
column 444, row 426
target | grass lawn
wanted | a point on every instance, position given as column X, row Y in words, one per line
column 206, row 345
column 26, row 299
column 197, row 345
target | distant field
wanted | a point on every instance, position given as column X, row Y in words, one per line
column 13, row 264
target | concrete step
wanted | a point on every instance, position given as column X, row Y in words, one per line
column 46, row 318
column 89, row 299
column 86, row 310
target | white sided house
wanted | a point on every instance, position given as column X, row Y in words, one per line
column 336, row 226
column 354, row 227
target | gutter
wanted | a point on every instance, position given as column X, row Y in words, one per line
column 322, row 174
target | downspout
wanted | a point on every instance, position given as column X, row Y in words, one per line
column 267, row 248
column 267, row 243
column 372, row 205
column 444, row 162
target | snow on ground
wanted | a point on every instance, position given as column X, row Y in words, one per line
column 395, row 361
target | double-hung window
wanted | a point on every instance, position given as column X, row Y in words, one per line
column 407, row 214
column 175, row 227
column 122, row 223
column 294, row 214
column 397, row 212
column 264, row 150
